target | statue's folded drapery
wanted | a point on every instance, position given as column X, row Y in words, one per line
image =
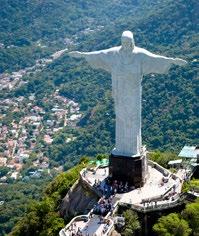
column 127, row 72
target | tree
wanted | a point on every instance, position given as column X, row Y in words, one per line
column 53, row 224
column 162, row 158
column 132, row 223
column 172, row 225
column 191, row 214
column 84, row 160
column 101, row 156
column 3, row 170
column 42, row 218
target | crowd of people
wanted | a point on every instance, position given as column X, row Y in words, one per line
column 111, row 187
column 104, row 206
column 118, row 186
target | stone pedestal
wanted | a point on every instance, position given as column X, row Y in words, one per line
column 130, row 169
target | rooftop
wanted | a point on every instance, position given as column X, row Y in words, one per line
column 189, row 152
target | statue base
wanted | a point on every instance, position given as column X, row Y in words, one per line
column 128, row 169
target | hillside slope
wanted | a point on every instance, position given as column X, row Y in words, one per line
column 31, row 29
column 34, row 29
column 29, row 20
column 170, row 107
column 169, row 101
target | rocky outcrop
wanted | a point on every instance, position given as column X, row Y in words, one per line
column 115, row 233
column 78, row 200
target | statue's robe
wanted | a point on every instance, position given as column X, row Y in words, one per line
column 127, row 73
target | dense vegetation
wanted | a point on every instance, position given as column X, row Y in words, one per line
column 169, row 101
column 42, row 217
column 16, row 197
column 162, row 158
column 170, row 106
column 24, row 24
column 179, row 224
column 132, row 224
column 172, row 225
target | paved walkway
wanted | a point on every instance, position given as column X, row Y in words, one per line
column 152, row 193
column 87, row 227
column 92, row 227
column 153, row 188
column 99, row 175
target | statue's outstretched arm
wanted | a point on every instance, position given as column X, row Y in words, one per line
column 78, row 54
column 97, row 59
column 178, row 61
column 153, row 63
column 175, row 61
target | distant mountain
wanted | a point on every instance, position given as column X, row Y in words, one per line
column 169, row 101
column 25, row 24
column 170, row 104
column 22, row 21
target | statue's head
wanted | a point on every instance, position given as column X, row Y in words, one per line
column 127, row 40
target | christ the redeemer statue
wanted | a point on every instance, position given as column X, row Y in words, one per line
column 127, row 65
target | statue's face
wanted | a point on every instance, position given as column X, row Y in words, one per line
column 127, row 43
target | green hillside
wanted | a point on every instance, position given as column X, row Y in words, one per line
column 26, row 23
column 170, row 104
column 169, row 101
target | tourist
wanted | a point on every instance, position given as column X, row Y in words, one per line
column 115, row 191
column 79, row 232
column 101, row 219
column 111, row 190
column 105, row 191
column 84, row 173
column 126, row 187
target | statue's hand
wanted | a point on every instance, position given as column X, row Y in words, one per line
column 180, row 62
column 75, row 54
